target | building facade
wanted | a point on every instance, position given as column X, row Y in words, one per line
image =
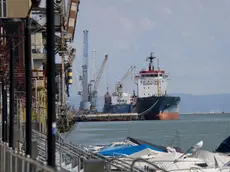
column 14, row 8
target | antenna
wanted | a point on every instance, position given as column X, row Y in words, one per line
column 150, row 58
column 158, row 63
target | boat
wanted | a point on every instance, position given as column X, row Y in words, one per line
column 118, row 103
column 153, row 102
column 129, row 147
column 194, row 159
column 224, row 146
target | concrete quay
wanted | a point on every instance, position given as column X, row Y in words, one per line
column 106, row 117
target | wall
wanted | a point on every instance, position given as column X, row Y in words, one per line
column 17, row 8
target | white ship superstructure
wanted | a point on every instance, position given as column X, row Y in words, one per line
column 151, row 82
column 124, row 98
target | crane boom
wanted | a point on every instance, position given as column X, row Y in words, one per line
column 130, row 70
column 119, row 85
column 93, row 92
column 97, row 81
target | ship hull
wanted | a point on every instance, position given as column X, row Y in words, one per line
column 158, row 108
column 118, row 108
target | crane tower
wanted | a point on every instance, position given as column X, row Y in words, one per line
column 85, row 104
column 93, row 93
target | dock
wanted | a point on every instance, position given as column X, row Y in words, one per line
column 107, row 117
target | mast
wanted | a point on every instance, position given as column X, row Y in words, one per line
column 151, row 58
column 158, row 64
column 158, row 79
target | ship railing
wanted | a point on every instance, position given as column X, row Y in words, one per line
column 112, row 114
column 175, row 138
column 157, row 165
column 119, row 161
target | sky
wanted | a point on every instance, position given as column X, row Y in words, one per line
column 191, row 39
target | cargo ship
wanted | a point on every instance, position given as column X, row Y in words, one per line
column 152, row 101
column 118, row 103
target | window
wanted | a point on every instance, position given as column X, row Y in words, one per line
column 3, row 9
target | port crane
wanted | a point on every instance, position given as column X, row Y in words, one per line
column 93, row 88
column 63, row 38
column 119, row 85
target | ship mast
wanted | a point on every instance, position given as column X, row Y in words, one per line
column 158, row 79
column 150, row 58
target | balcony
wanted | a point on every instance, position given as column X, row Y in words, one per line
column 37, row 54
column 37, row 45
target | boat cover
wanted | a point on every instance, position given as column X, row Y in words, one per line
column 224, row 147
column 144, row 152
column 128, row 150
column 115, row 147
column 138, row 141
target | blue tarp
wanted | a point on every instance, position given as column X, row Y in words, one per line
column 127, row 150
column 115, row 147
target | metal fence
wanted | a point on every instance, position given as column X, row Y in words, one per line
column 14, row 161
column 78, row 158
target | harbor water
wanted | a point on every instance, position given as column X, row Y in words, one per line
column 212, row 129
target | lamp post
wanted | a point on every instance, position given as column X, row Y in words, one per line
column 51, row 121
column 12, row 64
column 4, row 111
column 28, row 86
column 35, row 4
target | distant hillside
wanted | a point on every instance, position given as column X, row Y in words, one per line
column 189, row 102
column 204, row 103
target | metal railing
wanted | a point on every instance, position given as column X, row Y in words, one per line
column 14, row 161
column 78, row 154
